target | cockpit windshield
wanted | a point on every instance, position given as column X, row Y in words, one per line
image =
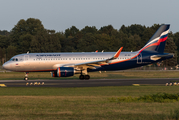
column 13, row 59
column 16, row 59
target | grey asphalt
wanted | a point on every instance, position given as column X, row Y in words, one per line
column 87, row 83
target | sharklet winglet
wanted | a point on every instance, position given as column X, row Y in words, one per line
column 117, row 53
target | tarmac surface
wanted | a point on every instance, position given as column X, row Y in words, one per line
column 87, row 83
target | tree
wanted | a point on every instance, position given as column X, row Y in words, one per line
column 176, row 40
column 71, row 32
column 88, row 29
column 103, row 41
column 35, row 45
column 87, row 40
column 124, row 40
column 2, row 53
column 4, row 32
column 28, row 27
column 170, row 48
column 133, row 43
column 11, row 51
column 44, row 42
column 31, row 26
column 107, row 30
column 54, row 43
column 3, row 41
column 24, row 42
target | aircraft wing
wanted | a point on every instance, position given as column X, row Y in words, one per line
column 94, row 64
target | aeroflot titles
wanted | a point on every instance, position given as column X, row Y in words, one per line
column 49, row 55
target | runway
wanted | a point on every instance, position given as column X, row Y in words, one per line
column 87, row 83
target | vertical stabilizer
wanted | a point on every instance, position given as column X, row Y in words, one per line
column 158, row 40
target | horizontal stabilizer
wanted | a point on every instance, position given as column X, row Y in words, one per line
column 157, row 57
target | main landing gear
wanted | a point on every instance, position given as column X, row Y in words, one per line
column 26, row 76
column 82, row 77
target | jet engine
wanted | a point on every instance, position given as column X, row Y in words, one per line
column 63, row 72
column 54, row 74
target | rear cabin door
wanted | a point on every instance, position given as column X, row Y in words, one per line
column 139, row 59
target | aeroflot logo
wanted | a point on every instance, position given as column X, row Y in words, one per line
column 49, row 55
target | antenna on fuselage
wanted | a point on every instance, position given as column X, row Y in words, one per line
column 102, row 51
column 27, row 52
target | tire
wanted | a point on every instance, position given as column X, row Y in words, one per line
column 81, row 77
column 26, row 78
column 87, row 77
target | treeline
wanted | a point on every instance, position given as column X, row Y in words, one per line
column 30, row 35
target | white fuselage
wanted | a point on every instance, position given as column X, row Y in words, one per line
column 50, row 61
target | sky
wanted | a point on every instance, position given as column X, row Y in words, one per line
column 59, row 15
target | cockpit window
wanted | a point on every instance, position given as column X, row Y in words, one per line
column 14, row 59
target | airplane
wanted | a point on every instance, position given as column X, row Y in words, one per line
column 68, row 64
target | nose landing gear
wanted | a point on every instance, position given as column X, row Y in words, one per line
column 26, row 76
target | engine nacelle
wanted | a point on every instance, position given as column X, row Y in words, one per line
column 65, row 71
column 54, row 74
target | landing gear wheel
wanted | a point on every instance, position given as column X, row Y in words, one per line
column 81, row 77
column 26, row 78
column 87, row 77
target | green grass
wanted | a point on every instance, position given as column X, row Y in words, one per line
column 85, row 103
column 133, row 91
column 93, row 75
column 88, row 102
column 158, row 97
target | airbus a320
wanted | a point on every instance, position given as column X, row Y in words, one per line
column 68, row 64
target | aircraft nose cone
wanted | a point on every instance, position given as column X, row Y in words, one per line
column 5, row 66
